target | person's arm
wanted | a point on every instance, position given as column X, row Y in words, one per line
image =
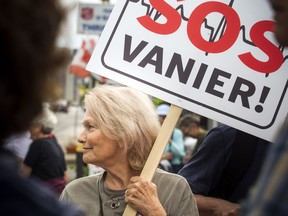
column 177, row 144
column 167, row 156
column 66, row 177
column 209, row 206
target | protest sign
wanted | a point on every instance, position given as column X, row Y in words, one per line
column 216, row 58
column 92, row 18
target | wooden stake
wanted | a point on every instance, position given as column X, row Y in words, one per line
column 158, row 149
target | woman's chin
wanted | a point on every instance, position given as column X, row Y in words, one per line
column 86, row 159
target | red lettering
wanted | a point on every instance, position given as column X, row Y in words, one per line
column 173, row 18
column 196, row 20
column 271, row 50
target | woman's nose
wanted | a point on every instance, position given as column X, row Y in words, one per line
column 82, row 138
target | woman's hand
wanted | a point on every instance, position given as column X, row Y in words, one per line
column 142, row 196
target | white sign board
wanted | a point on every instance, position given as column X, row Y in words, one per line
column 92, row 18
column 216, row 58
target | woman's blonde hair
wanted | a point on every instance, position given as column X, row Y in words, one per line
column 126, row 116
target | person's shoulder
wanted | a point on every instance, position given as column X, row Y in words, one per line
column 175, row 182
column 41, row 144
column 83, row 181
column 162, row 174
column 177, row 132
column 218, row 137
column 39, row 141
column 222, row 130
column 81, row 188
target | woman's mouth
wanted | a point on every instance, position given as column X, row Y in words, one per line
column 85, row 149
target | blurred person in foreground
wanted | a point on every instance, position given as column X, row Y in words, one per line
column 223, row 170
column 120, row 127
column 45, row 159
column 175, row 149
column 270, row 196
column 19, row 144
column 29, row 60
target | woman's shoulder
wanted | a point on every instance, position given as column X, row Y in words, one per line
column 167, row 177
column 84, row 182
column 174, row 193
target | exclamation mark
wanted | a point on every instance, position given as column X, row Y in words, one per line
column 263, row 97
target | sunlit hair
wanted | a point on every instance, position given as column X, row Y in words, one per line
column 126, row 116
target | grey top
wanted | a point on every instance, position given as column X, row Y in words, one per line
column 173, row 190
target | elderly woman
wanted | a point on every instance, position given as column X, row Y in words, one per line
column 120, row 127
column 45, row 158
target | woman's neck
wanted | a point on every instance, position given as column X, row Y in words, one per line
column 118, row 180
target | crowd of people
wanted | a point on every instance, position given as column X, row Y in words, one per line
column 214, row 179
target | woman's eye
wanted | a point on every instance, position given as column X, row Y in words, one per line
column 90, row 127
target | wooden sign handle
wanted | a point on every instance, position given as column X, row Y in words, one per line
column 158, row 148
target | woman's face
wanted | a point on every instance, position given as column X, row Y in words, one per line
column 97, row 148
